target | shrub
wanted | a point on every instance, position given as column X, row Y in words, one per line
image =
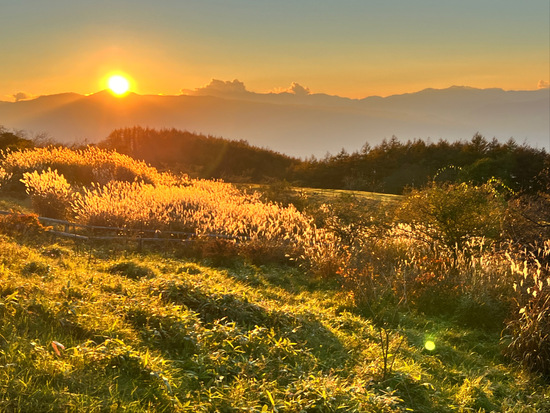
column 37, row 268
column 203, row 208
column 115, row 190
column 528, row 331
column 282, row 192
column 432, row 284
column 131, row 270
column 322, row 254
column 481, row 311
column 4, row 176
column 12, row 141
column 16, row 224
column 452, row 214
column 81, row 167
column 384, row 268
column 50, row 193
column 528, row 215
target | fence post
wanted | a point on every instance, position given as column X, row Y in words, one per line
column 140, row 248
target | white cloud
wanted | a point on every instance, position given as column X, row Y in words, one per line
column 294, row 89
column 543, row 84
column 218, row 87
column 298, row 89
column 236, row 88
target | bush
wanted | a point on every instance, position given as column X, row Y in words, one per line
column 528, row 331
column 36, row 268
column 481, row 311
column 10, row 141
column 433, row 287
column 104, row 188
column 80, row 167
column 452, row 214
column 282, row 192
column 528, row 215
column 204, row 208
column 4, row 176
column 131, row 270
column 16, row 224
column 50, row 193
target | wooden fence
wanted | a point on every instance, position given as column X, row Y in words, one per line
column 83, row 232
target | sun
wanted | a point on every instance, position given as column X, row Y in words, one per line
column 118, row 84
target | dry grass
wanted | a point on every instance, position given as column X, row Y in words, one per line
column 352, row 340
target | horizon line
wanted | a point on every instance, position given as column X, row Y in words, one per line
column 243, row 93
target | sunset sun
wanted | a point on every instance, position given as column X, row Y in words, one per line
column 118, row 84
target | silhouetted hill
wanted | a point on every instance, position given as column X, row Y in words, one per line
column 199, row 155
column 295, row 124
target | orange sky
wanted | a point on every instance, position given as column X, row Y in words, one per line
column 349, row 48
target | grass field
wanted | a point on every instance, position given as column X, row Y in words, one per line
column 305, row 301
column 326, row 195
column 320, row 195
column 99, row 328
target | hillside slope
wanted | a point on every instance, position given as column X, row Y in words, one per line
column 91, row 328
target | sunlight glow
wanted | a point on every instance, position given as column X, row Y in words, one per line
column 118, row 84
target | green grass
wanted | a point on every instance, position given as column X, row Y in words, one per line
column 16, row 204
column 154, row 332
column 322, row 195
column 327, row 195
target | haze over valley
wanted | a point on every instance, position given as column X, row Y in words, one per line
column 295, row 122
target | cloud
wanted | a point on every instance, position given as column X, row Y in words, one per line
column 218, row 87
column 294, row 89
column 21, row 96
column 543, row 84
column 298, row 89
column 236, row 88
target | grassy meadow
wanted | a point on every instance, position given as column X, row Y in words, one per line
column 305, row 302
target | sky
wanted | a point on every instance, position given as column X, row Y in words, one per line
column 352, row 48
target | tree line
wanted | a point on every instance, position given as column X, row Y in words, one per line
column 200, row 156
column 393, row 166
column 389, row 167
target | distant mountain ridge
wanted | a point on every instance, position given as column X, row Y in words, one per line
column 295, row 124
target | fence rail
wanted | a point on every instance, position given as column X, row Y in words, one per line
column 85, row 232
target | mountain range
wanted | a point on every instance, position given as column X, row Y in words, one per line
column 298, row 124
